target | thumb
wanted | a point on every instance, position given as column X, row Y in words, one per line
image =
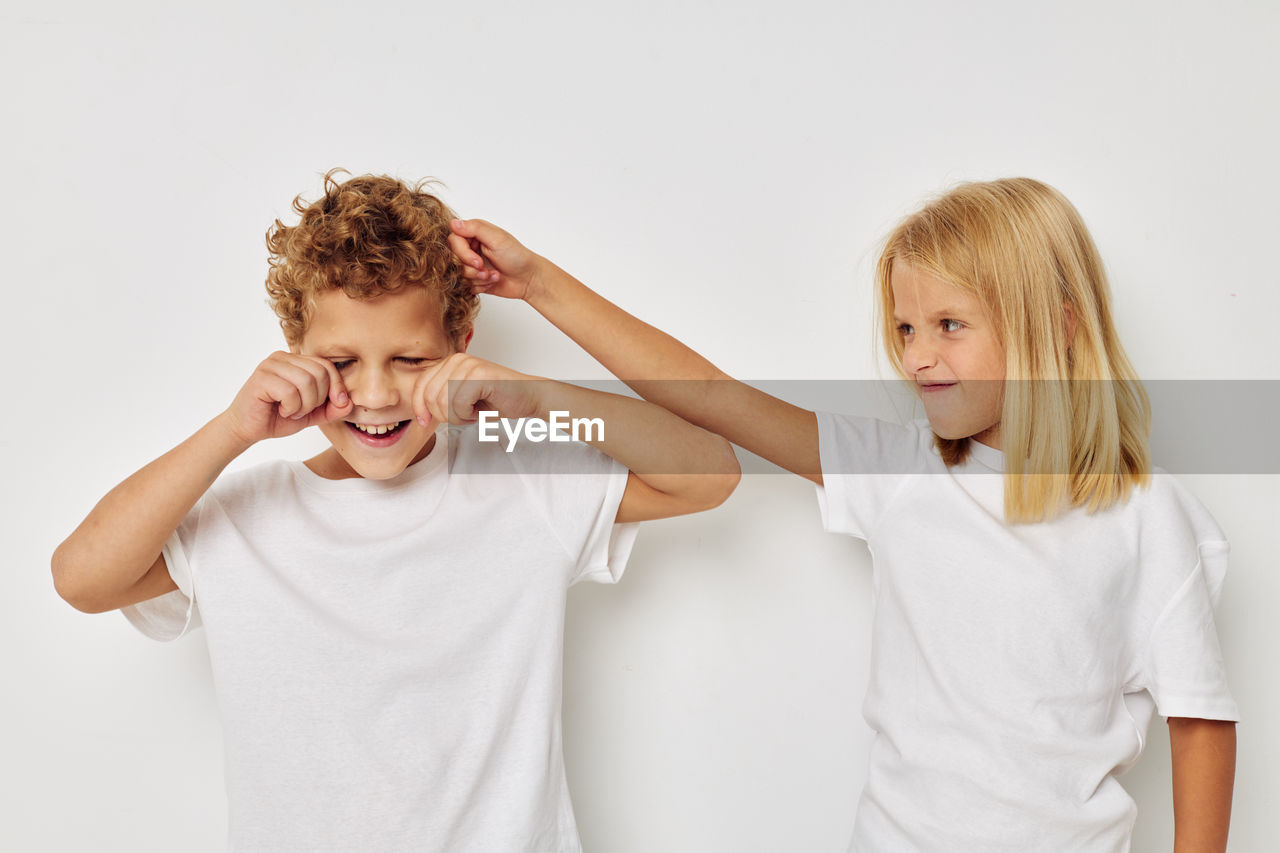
column 464, row 227
column 476, row 229
column 480, row 233
column 466, row 245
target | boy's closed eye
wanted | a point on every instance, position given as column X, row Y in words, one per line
column 407, row 361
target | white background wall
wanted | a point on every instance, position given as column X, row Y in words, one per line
column 722, row 169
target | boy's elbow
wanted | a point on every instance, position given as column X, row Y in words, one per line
column 63, row 578
column 723, row 477
column 68, row 582
column 723, row 487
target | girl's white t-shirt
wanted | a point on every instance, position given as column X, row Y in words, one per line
column 1015, row 668
column 387, row 654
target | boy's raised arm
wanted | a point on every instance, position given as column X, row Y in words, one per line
column 113, row 558
column 654, row 364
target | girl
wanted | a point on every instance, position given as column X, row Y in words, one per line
column 1040, row 590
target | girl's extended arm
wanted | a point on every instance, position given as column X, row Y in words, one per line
column 676, row 468
column 1204, row 768
column 654, row 364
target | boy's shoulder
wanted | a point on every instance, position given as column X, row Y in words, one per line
column 473, row 451
column 258, row 478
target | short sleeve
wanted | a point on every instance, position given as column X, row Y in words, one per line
column 1185, row 671
column 579, row 490
column 170, row 616
column 865, row 461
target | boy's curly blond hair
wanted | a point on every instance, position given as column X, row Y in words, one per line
column 366, row 236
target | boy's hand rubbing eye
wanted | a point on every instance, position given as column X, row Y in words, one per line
column 284, row 395
column 457, row 388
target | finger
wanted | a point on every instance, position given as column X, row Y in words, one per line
column 311, row 382
column 421, row 390
column 337, row 404
column 485, row 276
column 467, row 389
column 447, row 389
column 483, row 238
column 310, row 379
column 337, row 389
column 468, row 254
column 281, row 393
column 436, row 397
column 477, row 229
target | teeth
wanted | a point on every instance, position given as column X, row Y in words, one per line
column 378, row 429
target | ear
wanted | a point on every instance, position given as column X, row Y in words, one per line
column 466, row 341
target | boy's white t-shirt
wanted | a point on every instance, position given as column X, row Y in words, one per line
column 1015, row 668
column 387, row 654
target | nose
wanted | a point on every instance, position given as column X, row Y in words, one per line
column 918, row 354
column 374, row 389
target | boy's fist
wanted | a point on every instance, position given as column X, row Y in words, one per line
column 492, row 260
column 286, row 394
column 461, row 385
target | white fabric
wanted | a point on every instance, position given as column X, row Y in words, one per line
column 387, row 654
column 1015, row 668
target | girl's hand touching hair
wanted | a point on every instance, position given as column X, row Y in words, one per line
column 494, row 261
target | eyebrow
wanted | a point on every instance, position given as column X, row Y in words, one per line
column 347, row 352
column 937, row 315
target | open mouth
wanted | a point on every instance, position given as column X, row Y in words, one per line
column 378, row 435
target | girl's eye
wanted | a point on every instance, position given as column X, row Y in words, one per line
column 905, row 329
column 412, row 362
column 952, row 325
column 343, row 362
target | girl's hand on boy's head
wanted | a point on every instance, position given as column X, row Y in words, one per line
column 286, row 394
column 492, row 260
column 461, row 386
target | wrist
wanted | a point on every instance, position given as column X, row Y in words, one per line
column 543, row 281
column 228, row 435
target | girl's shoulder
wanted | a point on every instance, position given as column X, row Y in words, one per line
column 1175, row 537
column 1165, row 506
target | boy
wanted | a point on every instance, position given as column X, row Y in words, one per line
column 385, row 620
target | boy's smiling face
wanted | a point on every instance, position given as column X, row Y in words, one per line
column 380, row 347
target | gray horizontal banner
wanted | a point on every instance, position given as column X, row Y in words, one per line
column 1198, row 426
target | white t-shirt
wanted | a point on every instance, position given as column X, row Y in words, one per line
column 387, row 654
column 1015, row 668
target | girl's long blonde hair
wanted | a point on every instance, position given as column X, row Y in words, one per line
column 1076, row 421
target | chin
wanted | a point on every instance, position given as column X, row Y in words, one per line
column 948, row 427
column 380, row 472
column 952, row 431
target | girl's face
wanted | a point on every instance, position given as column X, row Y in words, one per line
column 950, row 349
